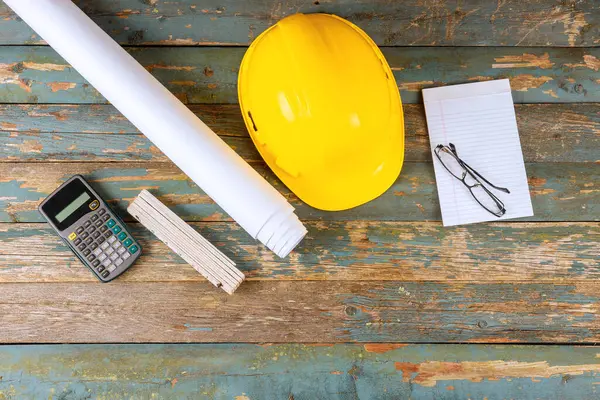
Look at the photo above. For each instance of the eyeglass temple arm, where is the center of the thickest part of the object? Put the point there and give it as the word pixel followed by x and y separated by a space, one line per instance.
pixel 453 148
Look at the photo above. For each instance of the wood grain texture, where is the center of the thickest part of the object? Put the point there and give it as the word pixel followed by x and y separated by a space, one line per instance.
pixel 565 252
pixel 300 311
pixel 439 23
pixel 35 74
pixel 32 133
pixel 297 371
pixel 560 191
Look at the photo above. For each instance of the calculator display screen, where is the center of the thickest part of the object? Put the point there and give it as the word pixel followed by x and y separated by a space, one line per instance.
pixel 71 208
pixel 69 204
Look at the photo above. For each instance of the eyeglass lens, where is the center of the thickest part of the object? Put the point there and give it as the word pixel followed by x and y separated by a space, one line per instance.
pixel 486 199
pixel 450 162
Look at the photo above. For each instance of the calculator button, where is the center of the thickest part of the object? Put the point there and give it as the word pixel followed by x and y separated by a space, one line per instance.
pixel 98 223
pixel 109 251
pixel 103 228
pixel 77 241
pixel 94 204
pixel 72 236
pixel 128 242
pixel 95 263
pixel 96 234
pixel 86 224
pixel 106 262
pixel 125 256
pixel 102 257
pixel 114 256
pixel 121 250
pixel 112 239
pixel 94 217
pixel 84 235
pixel 111 223
pixel 100 240
pixel 118 262
pixel 105 274
pixel 104 245
pixel 91 229
pixel 133 249
pixel 122 236
pixel 106 218
pixel 89 241
pixel 116 245
pixel 79 230
pixel 97 252
pixel 81 246
pixel 112 268
pixel 93 246
pixel 91 257
pixel 116 229
pixel 101 211
pixel 107 234
pixel 86 252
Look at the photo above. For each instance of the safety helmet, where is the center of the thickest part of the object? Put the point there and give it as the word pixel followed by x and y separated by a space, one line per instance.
pixel 323 109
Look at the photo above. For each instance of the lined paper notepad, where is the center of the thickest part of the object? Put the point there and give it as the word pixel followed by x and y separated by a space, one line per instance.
pixel 479 119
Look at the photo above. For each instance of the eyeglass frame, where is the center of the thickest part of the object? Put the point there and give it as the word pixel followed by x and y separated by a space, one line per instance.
pixel 468 170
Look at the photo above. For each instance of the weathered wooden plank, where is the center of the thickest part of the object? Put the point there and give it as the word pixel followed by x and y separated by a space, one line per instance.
pixel 362 250
pixel 299 371
pixel 549 133
pixel 560 191
pixel 34 74
pixel 300 311
pixel 442 23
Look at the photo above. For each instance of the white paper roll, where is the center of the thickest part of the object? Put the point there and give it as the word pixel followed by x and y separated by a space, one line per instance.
pixel 170 125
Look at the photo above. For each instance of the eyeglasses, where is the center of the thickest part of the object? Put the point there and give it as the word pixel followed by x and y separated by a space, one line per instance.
pixel 471 179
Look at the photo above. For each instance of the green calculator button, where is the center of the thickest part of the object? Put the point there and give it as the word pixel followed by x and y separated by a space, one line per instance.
pixel 111 223
pixel 133 249
pixel 127 242
pixel 122 236
pixel 116 229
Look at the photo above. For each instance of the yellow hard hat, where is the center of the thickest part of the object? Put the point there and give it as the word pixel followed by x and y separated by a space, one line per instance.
pixel 323 109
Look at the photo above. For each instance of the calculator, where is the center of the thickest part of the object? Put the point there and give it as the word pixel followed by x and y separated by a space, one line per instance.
pixel 90 228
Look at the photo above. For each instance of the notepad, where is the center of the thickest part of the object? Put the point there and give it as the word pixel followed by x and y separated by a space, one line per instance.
pixel 479 119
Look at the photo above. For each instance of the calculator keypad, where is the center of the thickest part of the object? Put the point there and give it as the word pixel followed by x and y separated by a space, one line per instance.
pixel 103 242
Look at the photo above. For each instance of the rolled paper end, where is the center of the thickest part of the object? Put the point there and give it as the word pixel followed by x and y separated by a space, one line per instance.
pixel 282 233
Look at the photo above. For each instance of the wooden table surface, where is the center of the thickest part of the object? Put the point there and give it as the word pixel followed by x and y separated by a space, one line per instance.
pixel 377 302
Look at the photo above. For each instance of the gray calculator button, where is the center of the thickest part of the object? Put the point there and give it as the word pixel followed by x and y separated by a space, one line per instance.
pixel 115 245
pixel 101 211
pixel 79 230
pixel 89 241
pixel 100 240
pixel 94 217
pixel 100 268
pixel 106 218
pixel 102 257
pixel 125 256
pixel 112 239
pixel 93 246
pixel 98 224
pixel 82 246
pixel 111 268
pixel 95 263
pixel 84 235
pixel 77 241
pixel 97 252
pixel 109 251
pixel 91 229
pixel 86 252
pixel 104 245
pixel 114 256
pixel 91 258
pixel 106 262
pixel 96 234
pixel 121 250
pixel 86 224
pixel 103 228
pixel 105 274
pixel 107 234
pixel 118 262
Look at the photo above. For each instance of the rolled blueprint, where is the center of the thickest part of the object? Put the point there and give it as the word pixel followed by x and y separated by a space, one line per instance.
pixel 260 209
